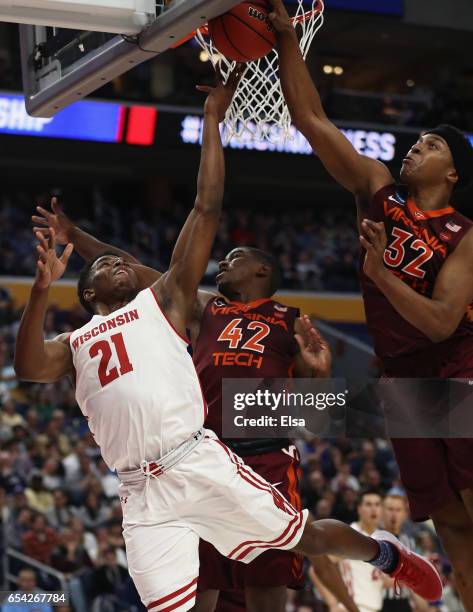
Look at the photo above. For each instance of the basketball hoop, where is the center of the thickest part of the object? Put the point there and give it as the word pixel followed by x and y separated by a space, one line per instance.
pixel 259 110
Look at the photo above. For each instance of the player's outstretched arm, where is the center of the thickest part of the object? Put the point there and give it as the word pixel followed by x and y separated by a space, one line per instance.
pixel 86 245
pixel 359 174
pixel 38 360
pixel 437 317
pixel 177 288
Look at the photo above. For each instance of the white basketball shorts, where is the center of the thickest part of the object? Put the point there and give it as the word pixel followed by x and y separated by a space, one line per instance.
pixel 210 494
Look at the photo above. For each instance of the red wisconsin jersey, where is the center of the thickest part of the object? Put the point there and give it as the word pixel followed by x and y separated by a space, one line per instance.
pixel 242 341
pixel 418 244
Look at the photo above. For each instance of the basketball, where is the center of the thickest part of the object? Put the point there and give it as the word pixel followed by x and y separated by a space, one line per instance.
pixel 245 33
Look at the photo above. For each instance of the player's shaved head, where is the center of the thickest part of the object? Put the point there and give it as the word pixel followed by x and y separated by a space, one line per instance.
pixel 275 277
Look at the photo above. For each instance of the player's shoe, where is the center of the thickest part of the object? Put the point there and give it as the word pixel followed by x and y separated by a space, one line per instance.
pixel 413 571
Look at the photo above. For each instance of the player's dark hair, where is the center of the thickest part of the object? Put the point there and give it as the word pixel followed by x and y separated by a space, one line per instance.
pixel 84 281
pixel 271 261
pixel 462 153
pixel 369 491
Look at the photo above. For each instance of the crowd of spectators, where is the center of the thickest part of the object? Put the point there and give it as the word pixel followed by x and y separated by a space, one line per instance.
pixel 59 502
pixel 424 106
pixel 317 248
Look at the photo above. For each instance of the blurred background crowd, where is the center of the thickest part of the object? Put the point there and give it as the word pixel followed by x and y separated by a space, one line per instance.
pixel 317 247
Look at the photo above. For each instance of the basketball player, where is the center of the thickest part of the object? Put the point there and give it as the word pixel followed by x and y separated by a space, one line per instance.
pixel 366 584
pixel 136 384
pixel 245 335
pixel 416 291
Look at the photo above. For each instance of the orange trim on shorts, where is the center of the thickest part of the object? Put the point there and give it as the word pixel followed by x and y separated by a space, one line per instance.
pixel 293 476
pixel 293 479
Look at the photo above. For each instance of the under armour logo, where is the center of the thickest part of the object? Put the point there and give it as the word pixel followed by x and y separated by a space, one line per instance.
pixel 123 500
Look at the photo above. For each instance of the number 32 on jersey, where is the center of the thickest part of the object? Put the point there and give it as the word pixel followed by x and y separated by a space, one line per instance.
pixel 395 253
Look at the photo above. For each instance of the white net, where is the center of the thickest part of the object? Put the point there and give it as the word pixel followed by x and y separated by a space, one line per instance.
pixel 258 109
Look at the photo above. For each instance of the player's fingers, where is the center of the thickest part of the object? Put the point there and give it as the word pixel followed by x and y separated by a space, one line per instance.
pixel 382 231
pixel 366 243
pixel 368 229
pixel 52 238
pixel 371 223
pixel 204 88
pixel 300 341
pixel 42 255
pixel 379 245
pixel 44 212
pixel 378 231
pixel 306 319
pixel 304 327
pixel 66 253
pixel 55 206
pixel 237 73
pixel 316 346
pixel 42 230
pixel 317 335
pixel 307 325
pixel 42 240
pixel 380 238
pixel 40 220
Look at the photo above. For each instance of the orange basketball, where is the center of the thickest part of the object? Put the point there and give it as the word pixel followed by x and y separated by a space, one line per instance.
pixel 244 33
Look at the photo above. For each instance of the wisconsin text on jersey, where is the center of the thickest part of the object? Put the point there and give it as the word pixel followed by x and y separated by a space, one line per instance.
pixel 118 321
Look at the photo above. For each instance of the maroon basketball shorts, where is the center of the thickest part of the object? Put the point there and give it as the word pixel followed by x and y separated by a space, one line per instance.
pixel 434 471
pixel 273 567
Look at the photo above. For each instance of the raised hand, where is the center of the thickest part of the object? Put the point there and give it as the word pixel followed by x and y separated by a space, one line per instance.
pixel 56 219
pixel 50 267
pixel 374 240
pixel 279 17
pixel 220 97
pixel 315 350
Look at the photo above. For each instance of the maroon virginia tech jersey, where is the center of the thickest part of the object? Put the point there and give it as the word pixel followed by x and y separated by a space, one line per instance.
pixel 236 340
pixel 418 244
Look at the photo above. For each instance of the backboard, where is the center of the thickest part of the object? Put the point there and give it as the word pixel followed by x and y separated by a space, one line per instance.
pixel 63 65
